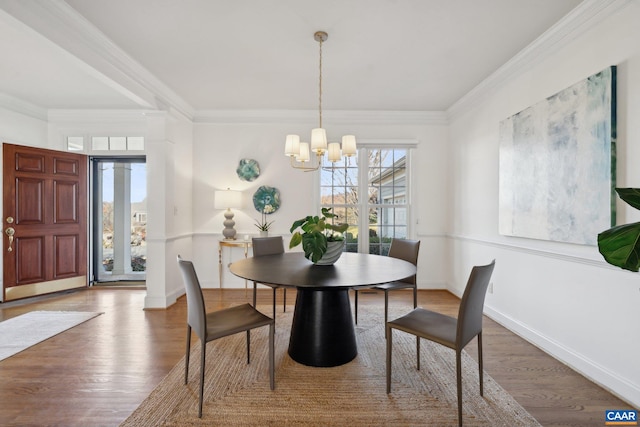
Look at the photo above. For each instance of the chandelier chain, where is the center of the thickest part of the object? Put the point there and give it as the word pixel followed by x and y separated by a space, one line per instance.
pixel 320 86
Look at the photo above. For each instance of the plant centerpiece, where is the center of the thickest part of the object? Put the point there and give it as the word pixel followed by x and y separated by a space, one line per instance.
pixel 620 245
pixel 318 233
pixel 263 225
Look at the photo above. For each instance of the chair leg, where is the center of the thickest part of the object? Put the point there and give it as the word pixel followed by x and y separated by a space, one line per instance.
pixel 271 355
pixel 356 304
pixel 274 302
pixel 459 384
pixel 284 300
pixel 186 356
pixel 480 368
pixel 248 346
pixel 203 354
pixel 415 296
pixel 415 304
pixel 386 310
pixel 255 289
pixel 389 333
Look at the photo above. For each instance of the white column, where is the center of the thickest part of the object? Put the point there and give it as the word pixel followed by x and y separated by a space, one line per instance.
pixel 121 218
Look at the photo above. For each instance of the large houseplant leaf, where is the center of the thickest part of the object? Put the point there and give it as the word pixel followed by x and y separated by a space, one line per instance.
pixel 620 245
pixel 630 195
pixel 314 245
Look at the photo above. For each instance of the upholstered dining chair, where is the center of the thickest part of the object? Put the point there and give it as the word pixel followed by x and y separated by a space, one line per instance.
pixel 405 249
pixel 263 246
pixel 218 324
pixel 451 332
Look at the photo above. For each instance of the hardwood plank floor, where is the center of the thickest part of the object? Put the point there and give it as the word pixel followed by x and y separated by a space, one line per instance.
pixel 97 373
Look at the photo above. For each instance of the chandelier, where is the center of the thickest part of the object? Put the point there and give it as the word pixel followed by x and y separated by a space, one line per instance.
pixel 300 152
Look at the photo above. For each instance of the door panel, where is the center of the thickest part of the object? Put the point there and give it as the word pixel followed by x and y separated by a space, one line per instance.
pixel 66 265
pixel 29 201
pixel 45 203
pixel 66 202
pixel 31 248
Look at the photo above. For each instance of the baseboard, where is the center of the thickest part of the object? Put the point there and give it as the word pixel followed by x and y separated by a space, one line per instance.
pixel 151 303
pixel 608 380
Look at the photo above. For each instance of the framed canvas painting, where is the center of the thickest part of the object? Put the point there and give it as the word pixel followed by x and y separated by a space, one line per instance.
pixel 557 164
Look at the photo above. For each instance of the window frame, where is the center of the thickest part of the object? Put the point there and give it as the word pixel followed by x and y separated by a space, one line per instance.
pixel 363 205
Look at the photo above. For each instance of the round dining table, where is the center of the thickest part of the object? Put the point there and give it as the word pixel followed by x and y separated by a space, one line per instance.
pixel 322 331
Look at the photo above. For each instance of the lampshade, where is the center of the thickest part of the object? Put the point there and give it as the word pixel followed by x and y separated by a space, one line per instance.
pixel 334 152
pixel 225 199
pixel 349 145
pixel 318 140
pixel 304 155
pixel 292 145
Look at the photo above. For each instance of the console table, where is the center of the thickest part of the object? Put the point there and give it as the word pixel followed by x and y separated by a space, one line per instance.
pixel 245 244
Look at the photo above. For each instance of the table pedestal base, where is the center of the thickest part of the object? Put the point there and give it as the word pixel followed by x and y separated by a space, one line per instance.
pixel 322 333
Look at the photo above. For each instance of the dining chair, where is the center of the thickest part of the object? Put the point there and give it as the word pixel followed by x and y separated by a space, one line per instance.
pixel 451 332
pixel 218 324
pixel 405 249
pixel 263 246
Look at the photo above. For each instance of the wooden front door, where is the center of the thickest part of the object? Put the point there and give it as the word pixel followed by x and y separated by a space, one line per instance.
pixel 44 221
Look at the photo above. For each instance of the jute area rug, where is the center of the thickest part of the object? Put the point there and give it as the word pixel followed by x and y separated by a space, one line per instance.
pixel 26 330
pixel 353 394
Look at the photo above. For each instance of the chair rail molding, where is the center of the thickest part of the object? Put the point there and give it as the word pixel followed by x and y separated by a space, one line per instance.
pixel 549 253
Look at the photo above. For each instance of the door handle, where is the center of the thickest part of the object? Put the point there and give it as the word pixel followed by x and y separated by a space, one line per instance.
pixel 9 231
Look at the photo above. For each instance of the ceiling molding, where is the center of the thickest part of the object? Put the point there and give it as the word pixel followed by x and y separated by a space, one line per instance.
pixel 62 116
pixel 575 23
pixel 330 117
pixel 17 105
pixel 63 26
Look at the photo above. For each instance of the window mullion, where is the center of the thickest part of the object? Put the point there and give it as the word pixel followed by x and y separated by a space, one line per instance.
pixel 363 200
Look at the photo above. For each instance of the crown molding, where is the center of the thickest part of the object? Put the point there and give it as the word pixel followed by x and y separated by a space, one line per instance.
pixel 575 23
pixel 64 116
pixel 65 27
pixel 17 105
pixel 332 117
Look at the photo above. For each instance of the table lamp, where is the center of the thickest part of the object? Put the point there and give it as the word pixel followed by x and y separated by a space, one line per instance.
pixel 227 199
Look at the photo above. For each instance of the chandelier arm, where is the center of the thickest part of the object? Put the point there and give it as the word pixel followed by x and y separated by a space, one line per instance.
pixel 300 166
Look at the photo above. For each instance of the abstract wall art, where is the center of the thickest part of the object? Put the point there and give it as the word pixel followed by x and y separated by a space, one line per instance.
pixel 557 164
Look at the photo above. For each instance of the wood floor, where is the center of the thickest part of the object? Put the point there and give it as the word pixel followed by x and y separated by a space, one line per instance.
pixel 97 373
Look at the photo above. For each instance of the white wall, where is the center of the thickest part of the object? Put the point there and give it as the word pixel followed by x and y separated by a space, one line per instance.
pixel 564 298
pixel 169 187
pixel 220 146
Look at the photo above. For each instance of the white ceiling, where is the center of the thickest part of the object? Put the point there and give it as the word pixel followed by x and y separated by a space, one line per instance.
pixel 388 55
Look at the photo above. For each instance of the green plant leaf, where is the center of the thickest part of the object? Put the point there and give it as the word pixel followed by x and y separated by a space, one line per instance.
pixel 296 239
pixel 326 212
pixel 340 228
pixel 630 195
pixel 298 223
pixel 620 246
pixel 314 245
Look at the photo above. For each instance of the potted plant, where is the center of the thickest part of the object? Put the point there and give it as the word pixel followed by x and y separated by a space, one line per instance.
pixel 319 236
pixel 263 225
pixel 620 245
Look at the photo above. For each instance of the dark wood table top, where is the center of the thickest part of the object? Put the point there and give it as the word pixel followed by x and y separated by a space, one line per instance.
pixel 352 270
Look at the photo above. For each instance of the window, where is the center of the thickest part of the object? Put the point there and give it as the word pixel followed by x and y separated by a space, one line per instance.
pixel 107 143
pixel 373 199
